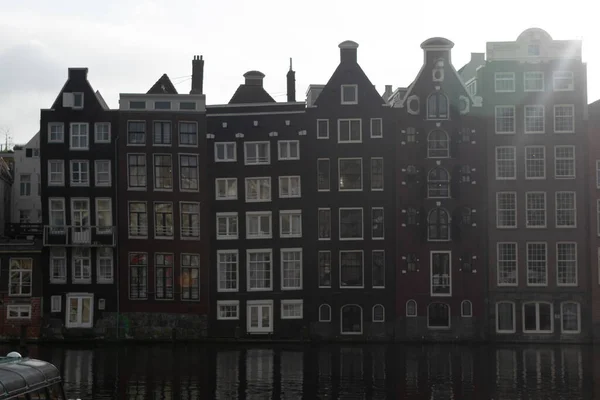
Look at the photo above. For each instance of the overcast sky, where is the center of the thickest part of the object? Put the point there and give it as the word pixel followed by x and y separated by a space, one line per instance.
pixel 128 44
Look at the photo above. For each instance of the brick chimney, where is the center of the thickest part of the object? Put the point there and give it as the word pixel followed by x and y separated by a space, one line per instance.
pixel 388 92
pixel 197 75
pixel 291 84
pixel 348 52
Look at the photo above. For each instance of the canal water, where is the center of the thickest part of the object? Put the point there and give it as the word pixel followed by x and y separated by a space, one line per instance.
pixel 185 372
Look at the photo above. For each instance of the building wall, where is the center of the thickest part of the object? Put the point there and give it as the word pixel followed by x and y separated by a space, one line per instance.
pixel 26 197
pixel 594 215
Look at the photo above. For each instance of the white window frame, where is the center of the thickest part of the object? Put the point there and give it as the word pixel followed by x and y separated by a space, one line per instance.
pixel 527 169
pixel 60 133
pixel 527 209
pixel 81 183
pixel 377 189
pixel 514 161
pixel 432 294
pixel 373 237
pixel 20 309
pixel 322 135
pixel 237 270
pixel 536 108
pixel 537 316
pixel 58 254
pixel 556 176
pixel 81 280
pixel 20 272
pixel 96 181
pixel 129 166
pixel 462 313
pixel 545 283
pixel 514 120
pixel 258 159
pixel 225 145
pixel 155 177
pixel 297 250
pixel 355 101
pixel 105 279
pixel 62 173
pixel 567 75
pixel 87 135
pixel 508 76
pixel 576 261
pixel 289 213
pixel 188 156
pixel 58 229
pixel 330 223
pixel 294 303
pixel 556 210
pixel 98 140
pixel 527 76
pixel 572 108
pixel 227 182
pixel 260 304
pixel 288 144
pixel 172 227
pixel 362 221
pixel 514 318
pixel 380 135
pixel 56 303
pixel 411 315
pixel 350 121
pixel 322 306
pixel 373 313
pixel 562 325
pixel 362 322
pixel 134 233
pixel 340 174
pixel 228 303
pixel 290 179
pixel 362 255
pixel 181 134
pixel 258 251
pixel 25 185
pixel 80 297
pixel 259 214
pixel 77 95
pixel 193 232
pixel 259 200
pixel 228 216
pixel 103 229
pixel 498 261
pixel 514 196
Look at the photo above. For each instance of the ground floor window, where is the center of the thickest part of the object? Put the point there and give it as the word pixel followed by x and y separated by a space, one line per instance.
pixel 505 317
pixel 378 313
pixel 80 310
pixel 324 313
pixel 18 311
pixel 569 316
pixel 537 317
pixel 291 309
pixel 260 316
pixel 438 315
pixel 466 308
pixel 351 318
pixel 228 309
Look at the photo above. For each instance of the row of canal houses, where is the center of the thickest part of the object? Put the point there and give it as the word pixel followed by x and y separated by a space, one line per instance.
pixel 456 208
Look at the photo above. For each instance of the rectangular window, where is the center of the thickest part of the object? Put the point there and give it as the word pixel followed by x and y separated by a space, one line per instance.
pixel 258 225
pixel 104 221
pixel 257 153
pixel 533 81
pixel 56 132
pixel 538 317
pixel 325 269
pixel 564 162
pixel 260 316
pixel 563 81
pixel 56 303
pixel 537 264
pixel 291 269
pixel 566 263
pixel 351 269
pixel 58 265
pixel 324 222
pixel 25 185
pixel 534 119
pixel 57 215
pixel 82 265
pixel 289 187
pixel 288 149
pixel 163 172
pixel 56 173
pixel 535 162
pixel 441 273
pixel 377 223
pixel 136 171
pixel 322 129
pixel 377 173
pixel 190 220
pixel 102 132
pixel 227 270
pixel 18 312
pixel 290 224
pixel 260 270
pixel 258 189
pixel 349 130
pixel 79 136
pixel 138 276
pixel 507 264
pixel 103 172
pixel 188 173
pixel 350 174
pixel 190 276
pixel 225 152
pixel 80 173
pixel 138 219
pixel 506 162
pixel 163 264
pixel 77 100
pixel 291 309
pixel 20 276
pixel 227 226
pixel 505 119
pixel 162 133
pixel 570 317
pixel 351 224
pixel 24 216
pixel 566 210
pixel 349 94
pixel 136 133
pixel 188 134
pixel 104 265
pixel 323 174
pixel 564 118
pixel 378 268
pixel 506 208
pixel 505 317
pixel 504 82
pixel 163 220
pixel 226 188
pixel 228 309
pixel 80 310
pixel 162 105
pixel 376 127
pixel 535 209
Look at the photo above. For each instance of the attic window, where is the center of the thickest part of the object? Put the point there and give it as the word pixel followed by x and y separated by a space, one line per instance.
pixel 533 50
pixel 349 94
pixel 77 100
pixel 137 105
pixel 162 105
pixel 187 105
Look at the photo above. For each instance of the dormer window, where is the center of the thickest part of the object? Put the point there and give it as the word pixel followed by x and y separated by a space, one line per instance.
pixel 533 50
pixel 437 106
pixel 77 100
pixel 349 94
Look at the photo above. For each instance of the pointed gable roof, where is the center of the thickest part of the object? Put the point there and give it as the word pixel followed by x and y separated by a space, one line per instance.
pixel 251 91
pixel 163 86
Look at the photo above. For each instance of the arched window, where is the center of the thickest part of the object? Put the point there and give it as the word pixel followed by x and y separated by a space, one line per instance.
pixel 438 222
pixel 351 319
pixel 438 144
pixel 438 183
pixel 465 216
pixel 324 313
pixel 411 308
pixel 411 216
pixel 466 308
pixel 569 317
pixel 438 315
pixel 378 313
pixel 437 106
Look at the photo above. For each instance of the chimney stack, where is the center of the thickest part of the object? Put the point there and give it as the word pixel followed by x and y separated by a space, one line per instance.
pixel 348 52
pixel 254 78
pixel 291 84
pixel 197 75
pixel 388 92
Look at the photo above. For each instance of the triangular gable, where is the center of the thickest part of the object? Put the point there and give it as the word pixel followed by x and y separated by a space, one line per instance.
pixel 163 86
pixel 77 82
pixel 358 76
pixel 32 141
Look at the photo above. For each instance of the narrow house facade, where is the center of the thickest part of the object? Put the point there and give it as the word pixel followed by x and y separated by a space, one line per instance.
pixel 593 207
pixel 77 158
pixel 440 179
pixel 26 207
pixel 352 189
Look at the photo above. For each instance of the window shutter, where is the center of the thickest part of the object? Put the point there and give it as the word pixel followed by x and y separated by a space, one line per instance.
pixel 68 100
